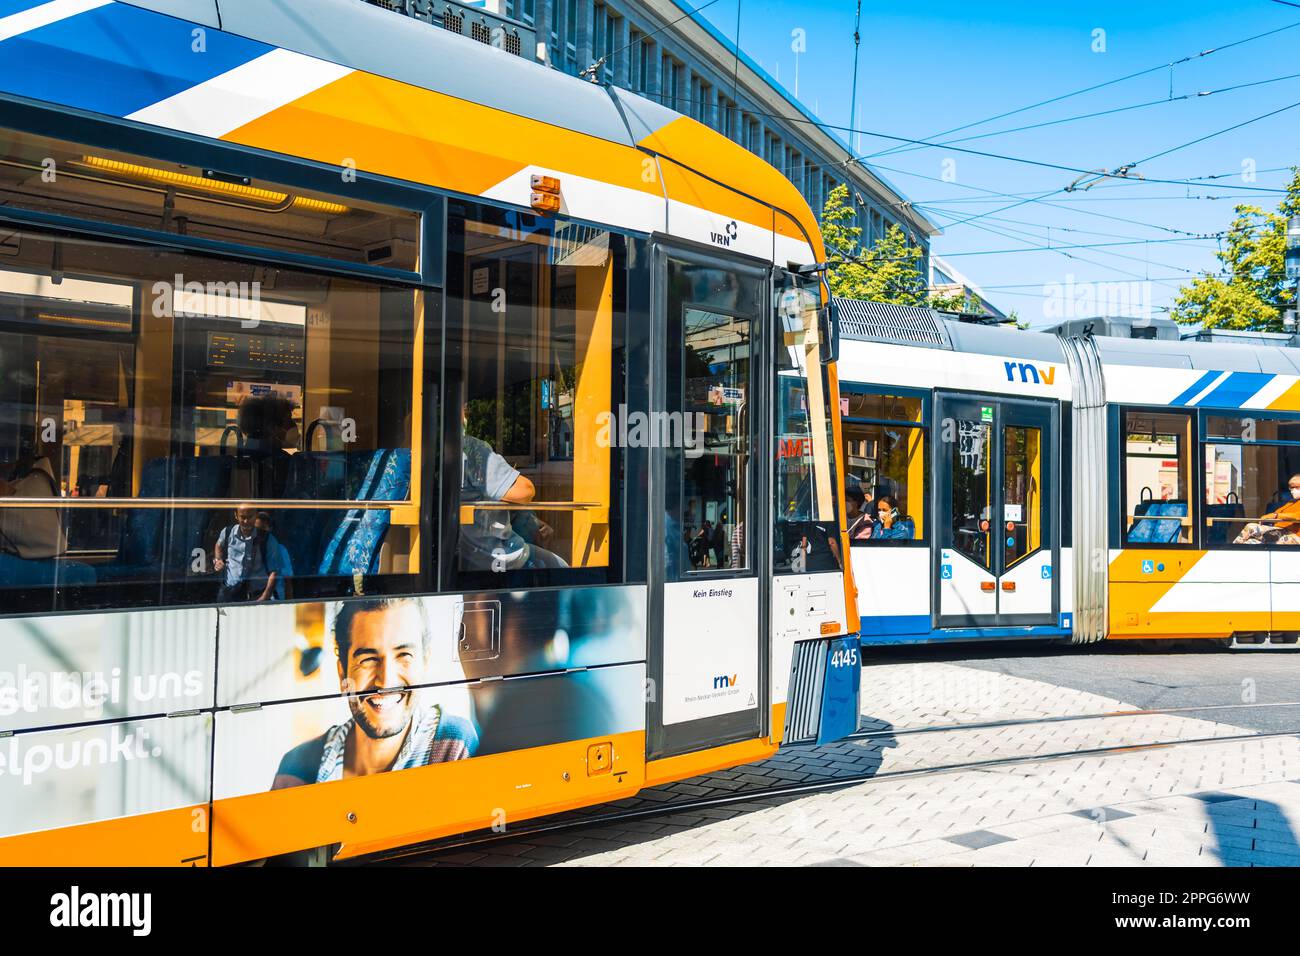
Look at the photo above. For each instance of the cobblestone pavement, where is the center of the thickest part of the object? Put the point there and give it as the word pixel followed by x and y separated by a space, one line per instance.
pixel 1231 803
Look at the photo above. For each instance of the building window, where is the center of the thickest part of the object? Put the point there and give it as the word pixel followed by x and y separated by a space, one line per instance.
pixel 604 40
pixel 571 36
pixel 636 64
pixel 670 91
pixel 645 59
pixel 727 118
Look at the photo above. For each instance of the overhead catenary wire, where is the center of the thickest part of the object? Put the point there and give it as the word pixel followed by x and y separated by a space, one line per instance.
pixel 1120 109
pixel 995 194
pixel 1098 86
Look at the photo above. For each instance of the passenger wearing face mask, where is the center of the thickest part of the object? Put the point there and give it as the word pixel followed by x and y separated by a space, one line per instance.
pixel 890 524
pixel 1280 526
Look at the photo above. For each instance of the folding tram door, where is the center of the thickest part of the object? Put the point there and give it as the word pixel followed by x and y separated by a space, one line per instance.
pixel 998 514
pixel 710 388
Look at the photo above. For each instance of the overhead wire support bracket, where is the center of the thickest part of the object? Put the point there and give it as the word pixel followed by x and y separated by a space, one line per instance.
pixel 1096 176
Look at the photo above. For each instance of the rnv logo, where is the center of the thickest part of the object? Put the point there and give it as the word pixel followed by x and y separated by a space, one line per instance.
pixel 1044 376
pixel 134 910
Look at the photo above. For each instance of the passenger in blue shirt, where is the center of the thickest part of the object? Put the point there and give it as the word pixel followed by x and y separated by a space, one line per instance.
pixel 249 560
pixel 889 524
pixel 277 554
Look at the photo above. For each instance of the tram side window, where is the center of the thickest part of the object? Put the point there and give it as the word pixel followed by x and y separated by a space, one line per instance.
pixel 211 431
pixel 1158 448
pixel 1252 481
pixel 887 467
pixel 535 354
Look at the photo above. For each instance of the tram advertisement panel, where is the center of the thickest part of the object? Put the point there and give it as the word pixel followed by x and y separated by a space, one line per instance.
pixel 73 669
pixel 114 715
pixel 381 684
pixel 103 716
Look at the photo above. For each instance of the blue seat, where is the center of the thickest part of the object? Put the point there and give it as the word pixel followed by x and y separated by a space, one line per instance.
pixel 1148 529
pixel 313 476
pixel 1221 532
pixel 154 541
pixel 352 539
pixel 16 572
pixel 341 542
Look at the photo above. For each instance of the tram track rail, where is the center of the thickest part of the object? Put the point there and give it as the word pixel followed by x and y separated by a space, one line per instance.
pixel 596 817
pixel 1061 719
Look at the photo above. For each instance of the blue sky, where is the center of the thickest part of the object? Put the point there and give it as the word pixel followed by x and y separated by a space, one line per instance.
pixel 929 67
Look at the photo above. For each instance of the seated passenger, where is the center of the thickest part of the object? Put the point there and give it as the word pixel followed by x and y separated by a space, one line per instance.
pixel 34 541
pixel 890 525
pixel 1280 526
pixel 278 554
pixel 858 511
pixel 34 534
pixel 267 429
pixel 493 540
pixel 248 560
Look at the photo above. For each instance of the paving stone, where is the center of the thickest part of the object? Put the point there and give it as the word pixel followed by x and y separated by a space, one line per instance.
pixel 975 839
pixel 1233 803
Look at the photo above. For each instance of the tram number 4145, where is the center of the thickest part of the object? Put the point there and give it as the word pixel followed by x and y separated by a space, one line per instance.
pixel 845 658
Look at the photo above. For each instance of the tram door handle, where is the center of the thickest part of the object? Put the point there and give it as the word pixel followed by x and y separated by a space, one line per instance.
pixel 988 586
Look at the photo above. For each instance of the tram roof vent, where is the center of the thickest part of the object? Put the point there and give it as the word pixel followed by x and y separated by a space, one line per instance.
pixel 1121 327
pixel 886 322
pixel 1245 337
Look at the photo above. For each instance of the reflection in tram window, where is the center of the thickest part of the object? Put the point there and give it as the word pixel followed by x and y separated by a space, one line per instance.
pixel 806 532
pixel 716 380
pixel 155 391
pixel 1157 477
pixel 1252 481
pixel 886 453
pixel 972 494
pixel 1022 498
pixel 535 328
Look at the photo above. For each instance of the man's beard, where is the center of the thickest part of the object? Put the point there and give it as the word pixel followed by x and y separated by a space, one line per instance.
pixel 364 717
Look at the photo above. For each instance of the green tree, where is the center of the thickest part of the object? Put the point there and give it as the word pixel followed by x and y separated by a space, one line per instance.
pixel 1252 292
pixel 892 270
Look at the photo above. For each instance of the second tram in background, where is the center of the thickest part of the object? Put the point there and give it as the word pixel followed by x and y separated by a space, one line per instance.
pixel 1108 481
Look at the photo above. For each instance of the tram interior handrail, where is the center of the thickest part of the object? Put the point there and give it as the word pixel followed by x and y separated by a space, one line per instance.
pixel 262 504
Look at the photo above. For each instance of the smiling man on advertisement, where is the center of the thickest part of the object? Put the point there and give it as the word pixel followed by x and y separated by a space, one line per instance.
pixel 383 652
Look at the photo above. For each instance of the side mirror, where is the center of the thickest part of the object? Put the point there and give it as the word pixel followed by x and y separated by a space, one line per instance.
pixel 829 320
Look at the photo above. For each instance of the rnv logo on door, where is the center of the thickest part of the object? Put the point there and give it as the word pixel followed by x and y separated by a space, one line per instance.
pixel 1027 372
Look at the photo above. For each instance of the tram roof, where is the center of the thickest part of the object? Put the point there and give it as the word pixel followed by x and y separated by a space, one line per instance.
pixel 912 325
pixel 369 38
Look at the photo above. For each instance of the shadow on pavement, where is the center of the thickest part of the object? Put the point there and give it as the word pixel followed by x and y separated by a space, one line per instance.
pixel 1249 831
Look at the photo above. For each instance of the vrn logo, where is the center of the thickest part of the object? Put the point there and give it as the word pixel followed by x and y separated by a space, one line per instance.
pixel 1039 376
pixel 724 681
pixel 727 236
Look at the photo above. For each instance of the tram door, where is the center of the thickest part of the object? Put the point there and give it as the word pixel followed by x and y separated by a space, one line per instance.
pixel 709 402
pixel 996 560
